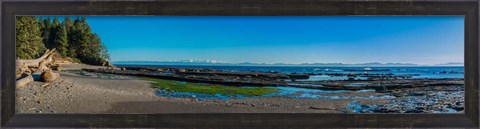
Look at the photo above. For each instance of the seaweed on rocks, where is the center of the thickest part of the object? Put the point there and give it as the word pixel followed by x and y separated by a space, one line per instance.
pixel 425 100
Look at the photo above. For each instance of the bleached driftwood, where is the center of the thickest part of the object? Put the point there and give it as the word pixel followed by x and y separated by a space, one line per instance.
pixel 37 66
pixel 35 62
pixel 41 67
pixel 23 81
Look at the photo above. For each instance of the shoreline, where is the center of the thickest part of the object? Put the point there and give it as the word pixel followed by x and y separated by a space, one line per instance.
pixel 135 96
pixel 74 93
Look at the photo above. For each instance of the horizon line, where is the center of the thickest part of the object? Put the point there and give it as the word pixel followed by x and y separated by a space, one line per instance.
pixel 305 63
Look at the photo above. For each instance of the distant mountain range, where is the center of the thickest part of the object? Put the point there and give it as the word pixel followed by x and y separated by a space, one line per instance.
pixel 452 64
pixel 372 63
pixel 197 61
pixel 216 62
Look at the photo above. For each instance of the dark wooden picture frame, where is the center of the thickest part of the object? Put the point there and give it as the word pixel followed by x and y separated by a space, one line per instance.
pixel 467 8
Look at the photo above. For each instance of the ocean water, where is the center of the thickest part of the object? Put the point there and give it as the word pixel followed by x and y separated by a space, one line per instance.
pixel 416 71
pixel 430 72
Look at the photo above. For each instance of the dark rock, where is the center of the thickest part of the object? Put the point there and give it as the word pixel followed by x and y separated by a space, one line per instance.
pixel 417 93
pixel 458 108
pixel 321 108
pixel 420 108
pixel 414 111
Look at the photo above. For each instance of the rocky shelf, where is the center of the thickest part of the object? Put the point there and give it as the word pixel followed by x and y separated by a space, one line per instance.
pixel 199 75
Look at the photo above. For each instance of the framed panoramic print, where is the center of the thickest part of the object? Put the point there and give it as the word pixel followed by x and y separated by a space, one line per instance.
pixel 240 64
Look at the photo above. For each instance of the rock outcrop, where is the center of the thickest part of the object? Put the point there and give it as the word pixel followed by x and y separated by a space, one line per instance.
pixel 49 76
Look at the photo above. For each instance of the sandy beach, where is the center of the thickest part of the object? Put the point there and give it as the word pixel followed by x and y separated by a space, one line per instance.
pixel 73 93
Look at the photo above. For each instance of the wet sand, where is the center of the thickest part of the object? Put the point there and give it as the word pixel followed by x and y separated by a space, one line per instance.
pixel 73 93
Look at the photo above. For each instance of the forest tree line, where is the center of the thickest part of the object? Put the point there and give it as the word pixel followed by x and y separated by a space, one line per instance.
pixel 72 38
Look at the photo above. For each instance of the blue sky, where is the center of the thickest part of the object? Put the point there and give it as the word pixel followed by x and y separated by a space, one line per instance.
pixel 293 39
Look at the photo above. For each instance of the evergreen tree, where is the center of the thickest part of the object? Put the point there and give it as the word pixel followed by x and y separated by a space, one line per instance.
pixel 73 39
pixel 53 33
pixel 55 23
pixel 41 24
pixel 48 22
pixel 91 49
pixel 29 42
pixel 45 30
pixel 61 40
pixel 104 53
pixel 68 23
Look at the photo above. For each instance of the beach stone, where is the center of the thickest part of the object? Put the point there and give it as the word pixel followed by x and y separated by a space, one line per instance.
pixel 458 108
pixel 48 76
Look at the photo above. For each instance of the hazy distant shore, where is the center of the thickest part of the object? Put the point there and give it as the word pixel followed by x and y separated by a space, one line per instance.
pixel 220 63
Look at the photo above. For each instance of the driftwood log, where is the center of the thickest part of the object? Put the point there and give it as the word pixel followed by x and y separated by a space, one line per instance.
pixel 34 66
pixel 35 62
pixel 42 66
pixel 23 81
